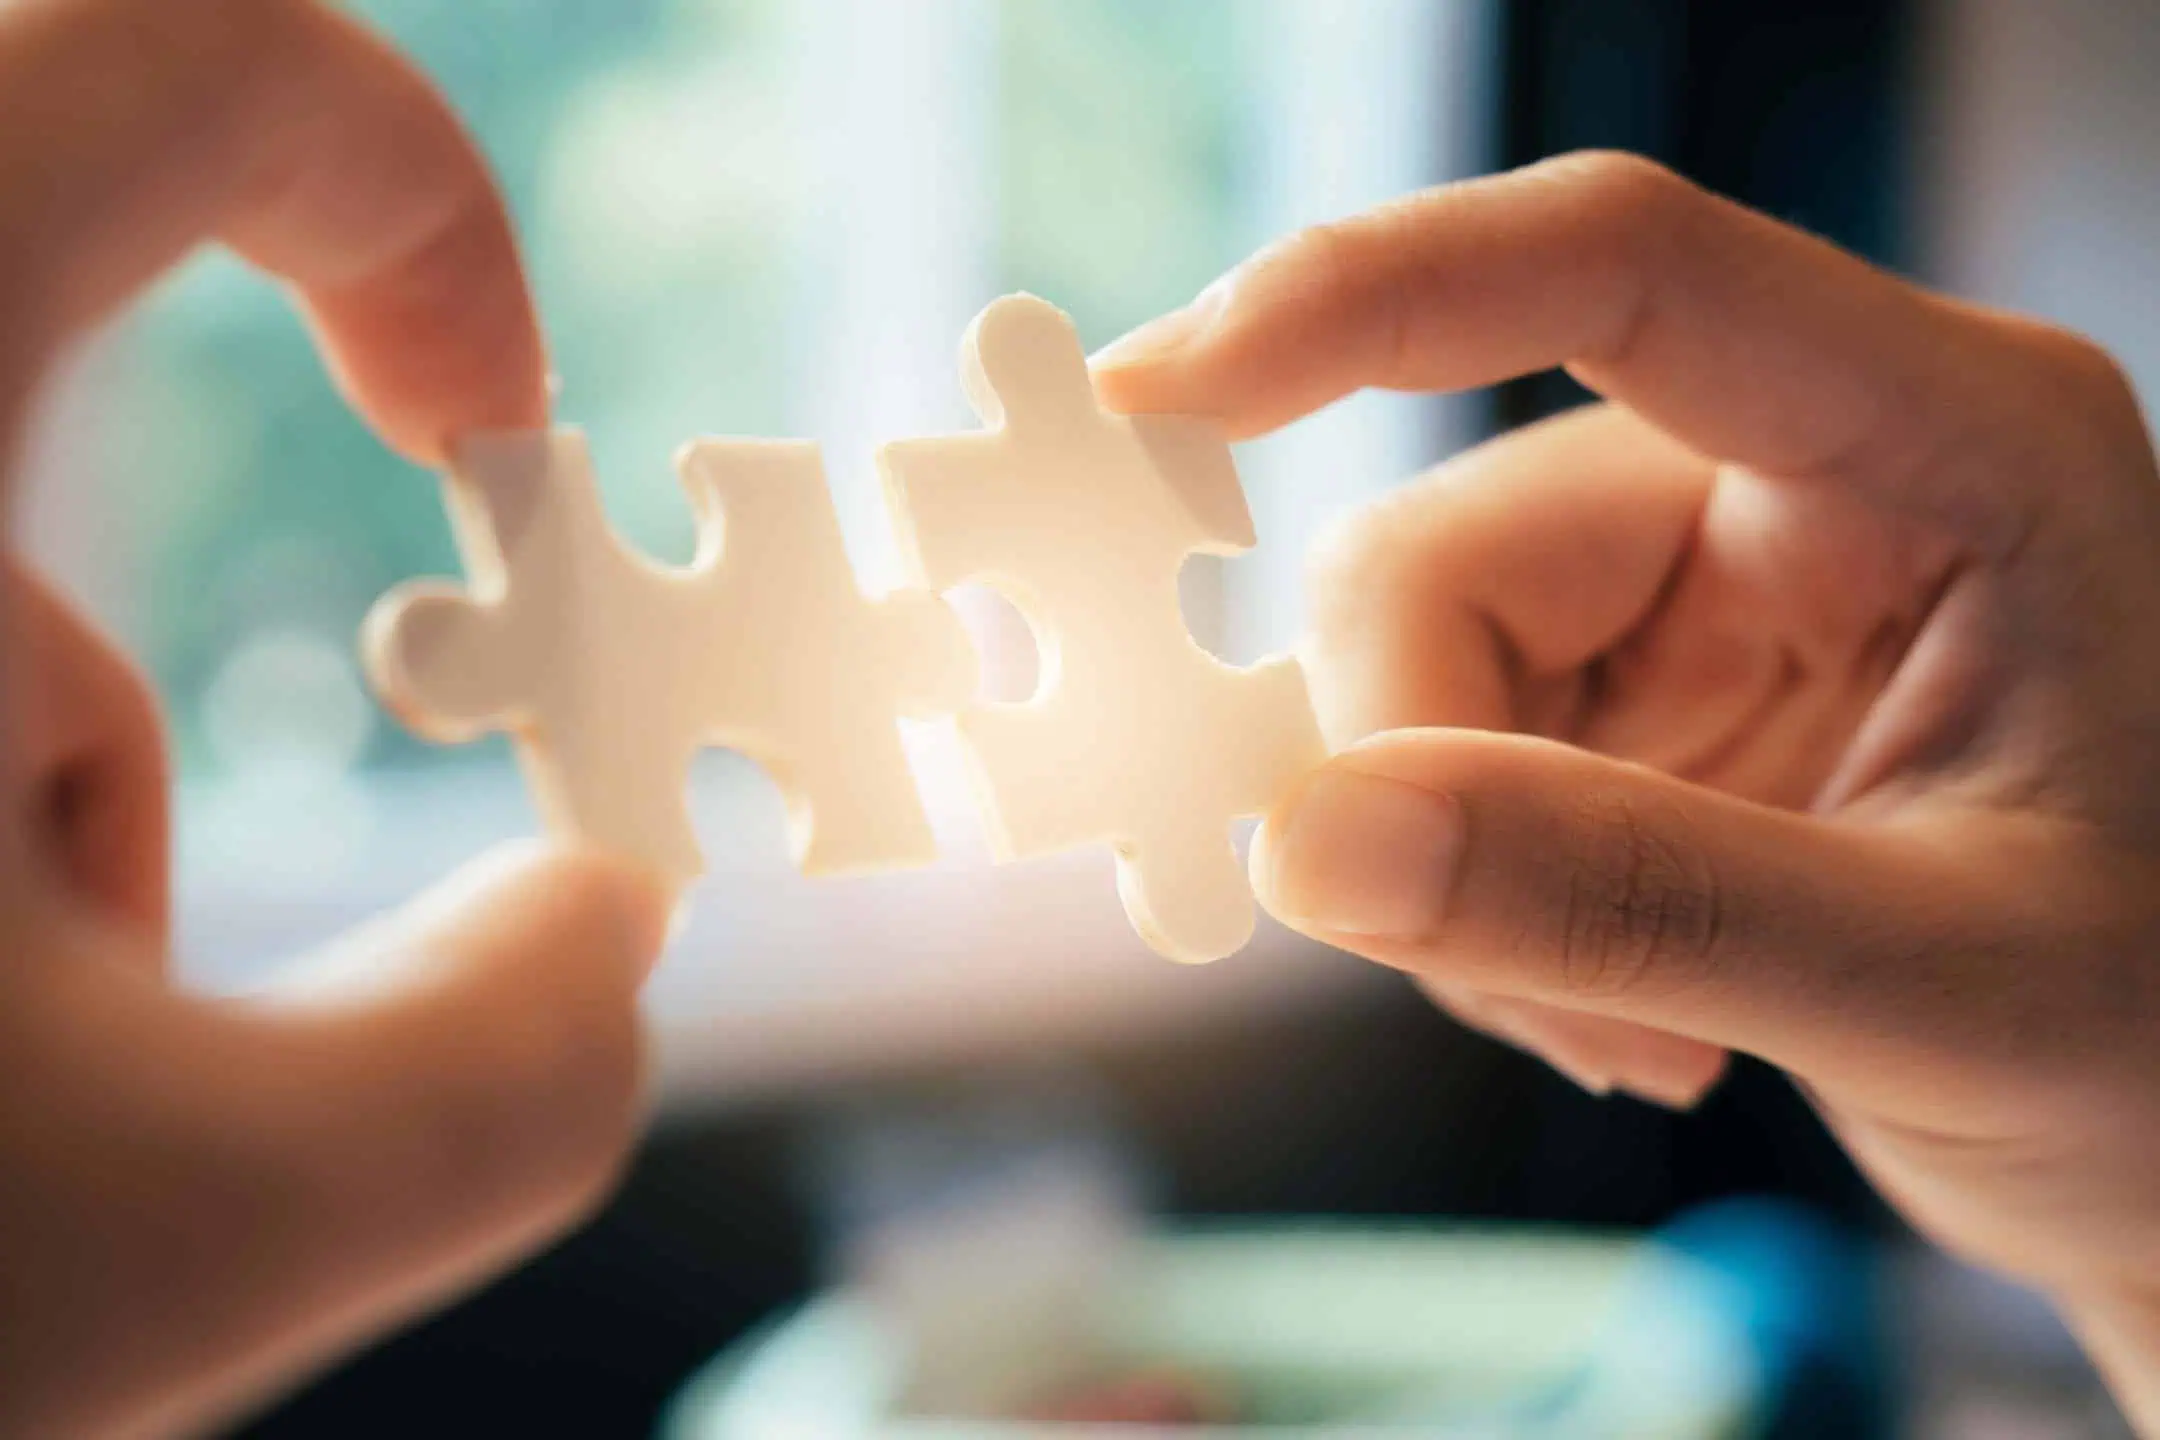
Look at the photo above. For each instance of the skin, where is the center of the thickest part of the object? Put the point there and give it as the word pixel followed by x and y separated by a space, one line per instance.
pixel 204 1200
pixel 1800 698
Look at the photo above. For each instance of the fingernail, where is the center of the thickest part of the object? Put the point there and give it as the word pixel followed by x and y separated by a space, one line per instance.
pixel 1590 1081
pixel 1167 334
pixel 1536 1032
pixel 645 909
pixel 1672 1092
pixel 651 910
pixel 1359 855
pixel 1637 1066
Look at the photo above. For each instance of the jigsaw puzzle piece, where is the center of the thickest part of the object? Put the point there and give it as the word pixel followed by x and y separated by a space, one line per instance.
pixel 1186 892
pixel 434 655
pixel 553 643
pixel 1024 372
pixel 450 662
pixel 1230 743
pixel 1181 877
pixel 1144 491
pixel 610 671
pixel 444 665
pixel 1137 736
pixel 1191 459
pixel 612 783
pixel 936 671
pixel 853 807
pixel 811 675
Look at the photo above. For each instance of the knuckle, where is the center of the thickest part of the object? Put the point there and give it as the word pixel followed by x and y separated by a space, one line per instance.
pixel 1644 909
pixel 2074 415
pixel 1354 557
pixel 2090 382
pixel 2109 390
pixel 2083 359
pixel 1627 192
pixel 1379 569
pixel 1328 248
pixel 1317 259
pixel 1629 215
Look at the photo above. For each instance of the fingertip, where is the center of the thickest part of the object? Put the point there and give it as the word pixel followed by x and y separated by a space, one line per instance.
pixel 521 974
pixel 1149 369
pixel 425 308
pixel 1169 335
pixel 1357 854
pixel 1604 1055
pixel 566 901
pixel 636 908
pixel 444 343
pixel 1682 1083
pixel 468 1077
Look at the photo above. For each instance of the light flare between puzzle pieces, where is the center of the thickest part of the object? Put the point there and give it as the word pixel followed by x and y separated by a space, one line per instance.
pixel 611 671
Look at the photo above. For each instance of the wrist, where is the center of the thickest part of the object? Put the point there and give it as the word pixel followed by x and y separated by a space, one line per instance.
pixel 2120 1328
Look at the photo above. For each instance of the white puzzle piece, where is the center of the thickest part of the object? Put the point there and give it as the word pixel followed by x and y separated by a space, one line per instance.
pixel 611 671
pixel 1136 736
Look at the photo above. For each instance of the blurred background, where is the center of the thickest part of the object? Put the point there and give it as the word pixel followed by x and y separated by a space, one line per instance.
pixel 775 217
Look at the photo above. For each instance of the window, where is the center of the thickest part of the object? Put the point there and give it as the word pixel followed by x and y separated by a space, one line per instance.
pixel 742 216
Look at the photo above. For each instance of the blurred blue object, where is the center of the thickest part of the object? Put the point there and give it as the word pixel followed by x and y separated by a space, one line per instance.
pixel 1806 1293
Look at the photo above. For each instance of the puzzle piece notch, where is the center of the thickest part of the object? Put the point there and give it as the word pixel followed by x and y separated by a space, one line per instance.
pixel 517 653
pixel 1136 736
pixel 819 671
pixel 1024 346
pixel 611 671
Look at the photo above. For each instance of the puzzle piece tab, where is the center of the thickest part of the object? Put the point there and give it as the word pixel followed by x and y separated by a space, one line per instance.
pixel 1137 736
pixel 611 671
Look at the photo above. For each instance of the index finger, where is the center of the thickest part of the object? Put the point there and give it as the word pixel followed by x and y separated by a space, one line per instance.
pixel 1742 337
pixel 131 130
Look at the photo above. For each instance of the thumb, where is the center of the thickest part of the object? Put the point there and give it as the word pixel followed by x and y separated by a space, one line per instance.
pixel 1523 867
pixel 445 1090
pixel 474 1061
pixel 452 1086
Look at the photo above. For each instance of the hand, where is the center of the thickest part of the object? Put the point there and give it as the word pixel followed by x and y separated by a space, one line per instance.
pixel 1803 698
pixel 199 1200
